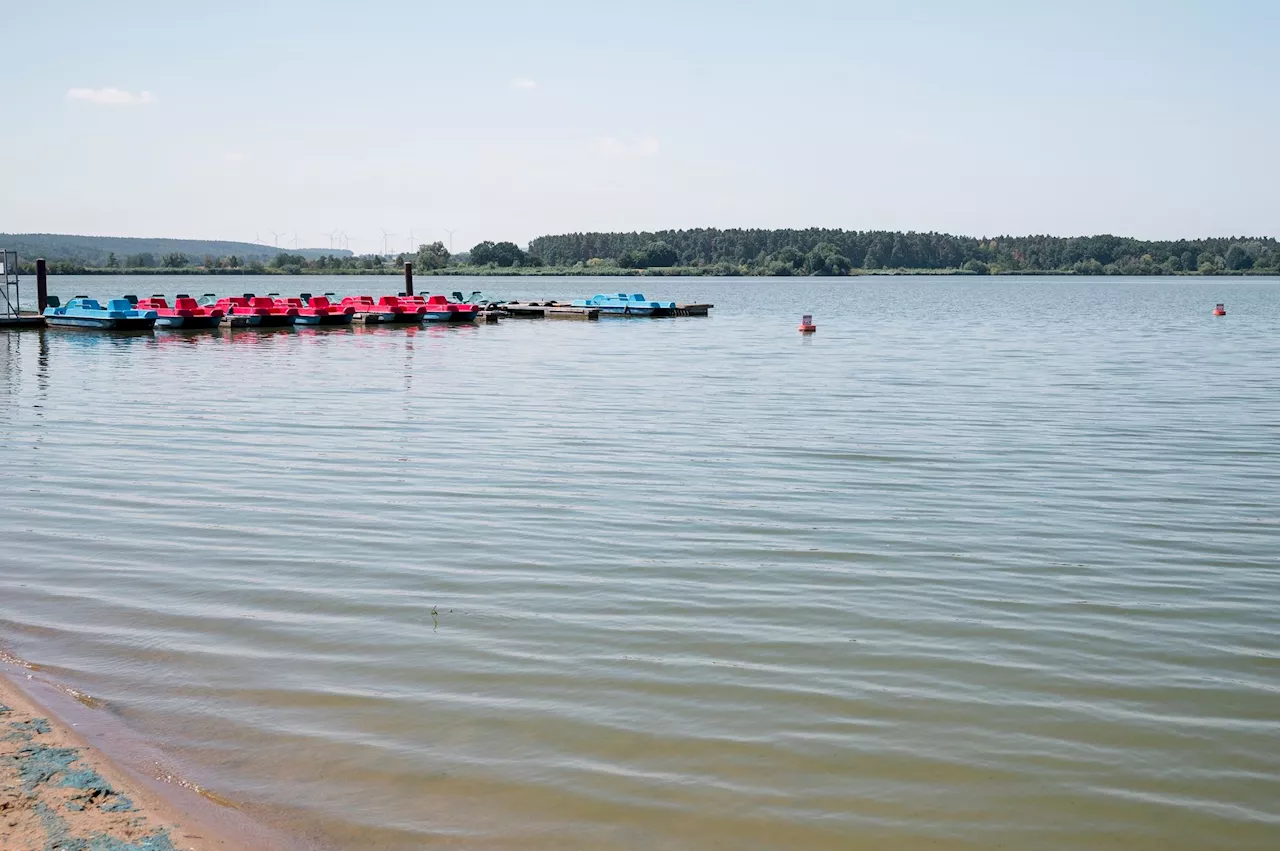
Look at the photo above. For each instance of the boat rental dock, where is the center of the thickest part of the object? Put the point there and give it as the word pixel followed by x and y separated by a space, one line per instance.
pixel 249 310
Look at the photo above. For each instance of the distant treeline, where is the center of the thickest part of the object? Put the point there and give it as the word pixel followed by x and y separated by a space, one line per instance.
pixel 712 252
pixel 134 252
pixel 818 251
pixel 178 263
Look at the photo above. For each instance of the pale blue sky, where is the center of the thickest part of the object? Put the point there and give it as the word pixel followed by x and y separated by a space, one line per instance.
pixel 508 120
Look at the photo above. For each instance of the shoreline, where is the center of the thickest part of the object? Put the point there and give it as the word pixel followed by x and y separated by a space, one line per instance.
pixel 615 272
pixel 60 788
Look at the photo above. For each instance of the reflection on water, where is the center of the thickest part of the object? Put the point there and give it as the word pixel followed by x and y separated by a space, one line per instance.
pixel 980 564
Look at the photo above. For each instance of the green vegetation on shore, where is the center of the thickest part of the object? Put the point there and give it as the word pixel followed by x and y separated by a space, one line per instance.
pixel 721 253
pixel 818 251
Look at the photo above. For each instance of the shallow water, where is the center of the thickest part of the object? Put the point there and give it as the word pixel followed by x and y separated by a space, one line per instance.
pixel 983 563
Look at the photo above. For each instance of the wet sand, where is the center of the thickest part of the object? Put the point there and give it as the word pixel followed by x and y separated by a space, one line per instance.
pixel 58 792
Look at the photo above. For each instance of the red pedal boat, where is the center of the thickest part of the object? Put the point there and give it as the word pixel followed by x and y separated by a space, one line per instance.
pixel 440 309
pixel 389 308
pixel 317 310
pixel 185 313
pixel 259 311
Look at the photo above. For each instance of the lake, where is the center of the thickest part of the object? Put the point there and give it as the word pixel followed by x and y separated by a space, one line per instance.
pixel 982 563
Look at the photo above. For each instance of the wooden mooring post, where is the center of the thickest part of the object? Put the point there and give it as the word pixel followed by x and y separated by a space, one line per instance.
pixel 42 285
pixel 408 279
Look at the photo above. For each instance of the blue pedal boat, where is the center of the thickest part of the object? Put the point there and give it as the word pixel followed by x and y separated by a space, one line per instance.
pixel 82 312
pixel 622 304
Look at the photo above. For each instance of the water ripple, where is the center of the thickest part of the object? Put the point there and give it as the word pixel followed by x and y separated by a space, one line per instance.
pixel 969 568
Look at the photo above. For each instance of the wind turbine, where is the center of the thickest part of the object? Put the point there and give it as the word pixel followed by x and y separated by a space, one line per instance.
pixel 331 237
pixel 295 240
pixel 451 233
pixel 385 236
pixel 412 247
pixel 276 235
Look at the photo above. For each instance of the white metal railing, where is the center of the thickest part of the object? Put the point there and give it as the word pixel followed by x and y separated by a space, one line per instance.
pixel 9 272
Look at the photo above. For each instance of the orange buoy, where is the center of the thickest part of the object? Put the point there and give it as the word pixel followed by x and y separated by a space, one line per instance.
pixel 806 324
pixel 1220 310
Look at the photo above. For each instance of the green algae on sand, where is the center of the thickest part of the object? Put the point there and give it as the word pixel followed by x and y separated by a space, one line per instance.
pixel 52 801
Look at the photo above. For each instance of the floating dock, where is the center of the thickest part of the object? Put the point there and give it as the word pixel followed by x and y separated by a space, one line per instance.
pixel 548 310
pixel 22 320
pixel 555 309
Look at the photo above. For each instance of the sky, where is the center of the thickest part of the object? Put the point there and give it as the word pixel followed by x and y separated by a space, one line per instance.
pixel 507 120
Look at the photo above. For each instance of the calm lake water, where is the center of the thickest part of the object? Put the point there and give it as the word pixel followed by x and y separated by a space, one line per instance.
pixel 982 564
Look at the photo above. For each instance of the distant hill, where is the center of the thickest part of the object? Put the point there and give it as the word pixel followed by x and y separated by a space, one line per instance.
pixel 94 250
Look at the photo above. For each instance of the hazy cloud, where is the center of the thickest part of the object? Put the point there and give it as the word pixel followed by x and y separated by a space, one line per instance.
pixel 110 96
pixel 645 146
pixel 524 83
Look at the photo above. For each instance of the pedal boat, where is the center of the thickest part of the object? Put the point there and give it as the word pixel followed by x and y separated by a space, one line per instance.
pixel 257 311
pixel 622 304
pixel 186 313
pixel 388 309
pixel 440 309
pixel 317 310
pixel 83 312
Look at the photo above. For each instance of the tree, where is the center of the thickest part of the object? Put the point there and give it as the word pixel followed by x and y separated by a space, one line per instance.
pixel 826 259
pixel 174 260
pixel 1238 258
pixel 874 258
pixel 659 253
pixel 433 256
pixel 112 262
pixel 898 254
pixel 791 257
pixel 1209 263
pixel 501 254
pixel 285 261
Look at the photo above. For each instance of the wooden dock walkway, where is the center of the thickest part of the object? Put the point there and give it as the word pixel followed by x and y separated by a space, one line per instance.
pixel 554 309
pixel 22 320
pixel 548 310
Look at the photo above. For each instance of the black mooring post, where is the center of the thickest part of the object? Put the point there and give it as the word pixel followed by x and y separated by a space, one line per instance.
pixel 42 285
pixel 408 279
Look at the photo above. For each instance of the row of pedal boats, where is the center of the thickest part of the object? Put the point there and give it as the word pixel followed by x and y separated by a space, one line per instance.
pixel 133 314
pixel 130 313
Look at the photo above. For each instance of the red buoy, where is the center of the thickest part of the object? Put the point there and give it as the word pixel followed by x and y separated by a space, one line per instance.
pixel 1220 310
pixel 806 324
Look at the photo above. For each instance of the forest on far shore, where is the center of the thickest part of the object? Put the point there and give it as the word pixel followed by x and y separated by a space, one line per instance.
pixel 820 251
pixel 816 251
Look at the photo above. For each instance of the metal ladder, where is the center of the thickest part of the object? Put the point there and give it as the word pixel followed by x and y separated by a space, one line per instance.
pixel 11 296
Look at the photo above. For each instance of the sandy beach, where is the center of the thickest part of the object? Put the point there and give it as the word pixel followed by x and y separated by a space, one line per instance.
pixel 57 792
